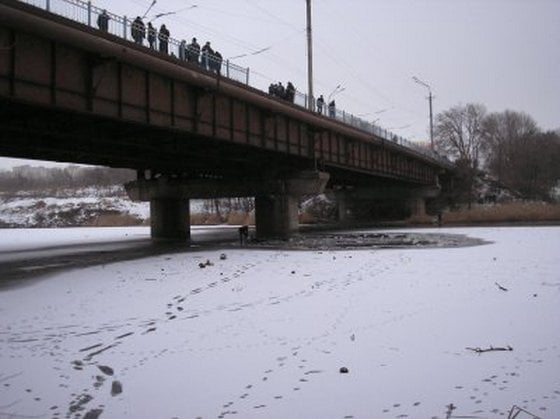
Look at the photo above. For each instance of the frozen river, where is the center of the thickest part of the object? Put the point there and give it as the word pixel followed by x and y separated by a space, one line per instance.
pixel 211 332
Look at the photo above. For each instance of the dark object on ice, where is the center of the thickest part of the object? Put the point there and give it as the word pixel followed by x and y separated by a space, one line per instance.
pixel 106 370
pixel 116 388
pixel 208 263
pixel 500 287
pixel 343 370
pixel 93 414
pixel 490 349
pixel 353 337
pixel 201 265
pixel 516 410
pixel 243 235
pixel 450 408
pixel 223 256
pixel 293 272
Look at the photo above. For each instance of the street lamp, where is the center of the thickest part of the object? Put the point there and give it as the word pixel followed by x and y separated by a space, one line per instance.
pixel 338 89
pixel 172 13
pixel 430 97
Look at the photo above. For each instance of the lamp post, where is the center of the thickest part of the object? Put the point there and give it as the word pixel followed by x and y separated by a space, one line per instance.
pixel 338 89
pixel 172 13
pixel 310 101
pixel 430 97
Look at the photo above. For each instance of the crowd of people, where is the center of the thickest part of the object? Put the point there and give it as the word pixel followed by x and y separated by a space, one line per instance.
pixel 205 57
pixel 287 93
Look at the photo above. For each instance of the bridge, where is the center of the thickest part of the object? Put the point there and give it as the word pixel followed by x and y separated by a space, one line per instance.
pixel 70 92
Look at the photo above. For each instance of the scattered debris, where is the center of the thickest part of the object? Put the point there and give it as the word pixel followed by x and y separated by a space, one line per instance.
pixel 343 370
pixel 93 414
pixel 490 349
pixel 516 410
pixel 105 369
pixel 201 265
pixel 116 388
pixel 353 337
pixel 500 287
pixel 208 263
pixel 450 408
pixel 223 256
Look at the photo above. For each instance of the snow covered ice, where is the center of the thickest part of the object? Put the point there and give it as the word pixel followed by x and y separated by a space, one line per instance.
pixel 264 333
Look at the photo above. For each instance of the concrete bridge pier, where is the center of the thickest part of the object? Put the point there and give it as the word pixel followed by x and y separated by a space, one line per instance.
pixel 381 203
pixel 276 216
pixel 169 219
pixel 276 200
pixel 276 212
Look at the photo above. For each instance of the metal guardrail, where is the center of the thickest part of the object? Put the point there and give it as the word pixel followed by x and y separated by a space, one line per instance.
pixel 86 13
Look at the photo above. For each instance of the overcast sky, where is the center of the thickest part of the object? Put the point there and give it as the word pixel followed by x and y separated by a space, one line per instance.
pixel 504 54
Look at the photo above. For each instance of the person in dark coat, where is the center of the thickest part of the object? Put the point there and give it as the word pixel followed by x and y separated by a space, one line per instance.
pixel 163 38
pixel 320 104
pixel 290 92
pixel 152 35
pixel 138 30
pixel 280 90
pixel 332 109
pixel 193 52
pixel 183 50
pixel 218 62
pixel 103 21
pixel 207 52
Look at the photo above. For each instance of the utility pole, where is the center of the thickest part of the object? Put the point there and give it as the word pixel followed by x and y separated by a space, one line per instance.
pixel 430 98
pixel 310 101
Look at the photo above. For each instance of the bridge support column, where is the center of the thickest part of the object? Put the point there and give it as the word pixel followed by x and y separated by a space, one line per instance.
pixel 417 206
pixel 170 219
pixel 276 216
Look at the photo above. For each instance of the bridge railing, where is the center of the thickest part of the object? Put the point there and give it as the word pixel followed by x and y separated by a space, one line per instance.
pixel 121 26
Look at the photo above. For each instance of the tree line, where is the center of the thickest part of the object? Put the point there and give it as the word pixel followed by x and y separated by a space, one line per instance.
pixel 31 178
pixel 509 145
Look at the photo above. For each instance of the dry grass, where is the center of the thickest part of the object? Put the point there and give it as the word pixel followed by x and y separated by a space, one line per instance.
pixel 114 220
pixel 233 218
pixel 512 212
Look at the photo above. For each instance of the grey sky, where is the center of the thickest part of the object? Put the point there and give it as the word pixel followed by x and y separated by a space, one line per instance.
pixel 502 53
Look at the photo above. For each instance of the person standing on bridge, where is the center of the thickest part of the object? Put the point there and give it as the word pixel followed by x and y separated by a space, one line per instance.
pixel 320 104
pixel 290 92
pixel 207 52
pixel 183 50
pixel 332 109
pixel 217 62
pixel 103 21
pixel 152 35
pixel 138 30
pixel 163 38
pixel 193 52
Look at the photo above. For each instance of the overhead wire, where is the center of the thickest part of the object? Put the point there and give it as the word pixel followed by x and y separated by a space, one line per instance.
pixel 253 50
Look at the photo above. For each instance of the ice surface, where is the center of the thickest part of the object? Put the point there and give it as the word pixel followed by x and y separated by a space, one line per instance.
pixel 264 333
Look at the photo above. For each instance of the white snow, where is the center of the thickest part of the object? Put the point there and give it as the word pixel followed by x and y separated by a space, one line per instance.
pixel 263 333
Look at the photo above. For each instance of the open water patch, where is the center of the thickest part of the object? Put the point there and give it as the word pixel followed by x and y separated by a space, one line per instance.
pixel 371 240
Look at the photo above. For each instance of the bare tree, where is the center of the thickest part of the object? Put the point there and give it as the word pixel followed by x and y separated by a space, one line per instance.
pixel 458 132
pixel 504 133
